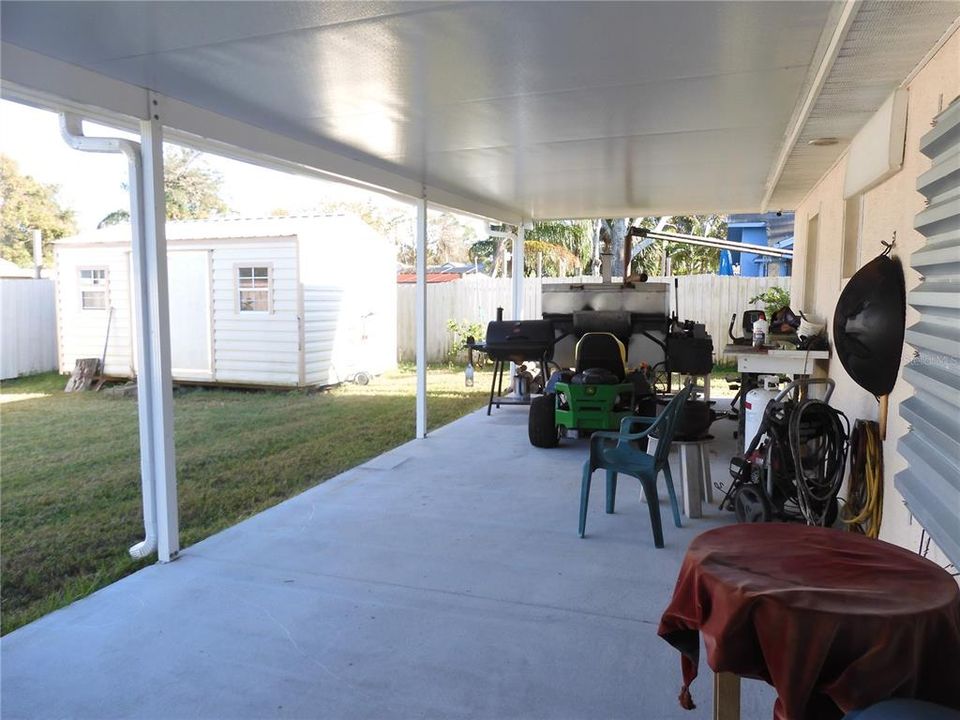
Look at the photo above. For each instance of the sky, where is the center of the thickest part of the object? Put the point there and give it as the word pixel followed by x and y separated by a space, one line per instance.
pixel 92 183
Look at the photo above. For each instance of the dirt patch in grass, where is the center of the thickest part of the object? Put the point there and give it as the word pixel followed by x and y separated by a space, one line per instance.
pixel 70 474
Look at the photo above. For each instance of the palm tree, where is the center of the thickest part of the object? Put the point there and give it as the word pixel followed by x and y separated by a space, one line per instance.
pixel 663 258
pixel 566 245
pixel 562 244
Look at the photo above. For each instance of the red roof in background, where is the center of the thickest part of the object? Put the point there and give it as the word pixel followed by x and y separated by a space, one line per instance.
pixel 408 278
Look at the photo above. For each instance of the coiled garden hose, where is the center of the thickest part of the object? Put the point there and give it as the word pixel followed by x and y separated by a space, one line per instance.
pixel 863 511
pixel 818 444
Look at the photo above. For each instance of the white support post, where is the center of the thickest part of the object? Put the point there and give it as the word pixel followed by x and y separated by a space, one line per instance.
pixel 517 277
pixel 421 316
pixel 37 253
pixel 518 274
pixel 156 374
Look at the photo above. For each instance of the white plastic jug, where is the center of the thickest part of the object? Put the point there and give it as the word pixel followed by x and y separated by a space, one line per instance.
pixel 760 330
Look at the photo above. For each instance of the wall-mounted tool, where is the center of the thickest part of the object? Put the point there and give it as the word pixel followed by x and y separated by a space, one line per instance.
pixel 868 327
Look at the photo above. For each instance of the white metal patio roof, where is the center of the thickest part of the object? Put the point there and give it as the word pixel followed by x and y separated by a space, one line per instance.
pixel 507 110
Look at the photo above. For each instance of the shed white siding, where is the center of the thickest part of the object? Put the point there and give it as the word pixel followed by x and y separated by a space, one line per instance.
pixel 254 347
pixel 349 302
pixel 82 333
pixel 331 311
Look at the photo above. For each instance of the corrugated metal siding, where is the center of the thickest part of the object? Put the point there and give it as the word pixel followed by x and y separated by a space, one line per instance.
pixel 28 327
pixel 931 483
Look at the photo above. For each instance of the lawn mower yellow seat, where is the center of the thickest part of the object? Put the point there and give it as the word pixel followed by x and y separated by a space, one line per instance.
pixel 600 351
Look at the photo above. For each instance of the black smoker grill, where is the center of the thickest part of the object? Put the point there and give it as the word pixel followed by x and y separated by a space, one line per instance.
pixel 516 341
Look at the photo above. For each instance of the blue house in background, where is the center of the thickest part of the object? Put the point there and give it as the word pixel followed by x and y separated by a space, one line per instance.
pixel 758 229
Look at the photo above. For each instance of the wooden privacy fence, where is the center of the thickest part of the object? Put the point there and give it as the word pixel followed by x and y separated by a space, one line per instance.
pixel 28 327
pixel 710 299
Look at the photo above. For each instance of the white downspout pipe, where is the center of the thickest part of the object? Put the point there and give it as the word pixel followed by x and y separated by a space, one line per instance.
pixel 71 128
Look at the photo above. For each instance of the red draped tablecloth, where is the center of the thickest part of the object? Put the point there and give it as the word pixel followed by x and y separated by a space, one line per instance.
pixel 835 621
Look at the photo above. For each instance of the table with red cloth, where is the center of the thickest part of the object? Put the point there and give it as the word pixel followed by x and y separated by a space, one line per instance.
pixel 835 621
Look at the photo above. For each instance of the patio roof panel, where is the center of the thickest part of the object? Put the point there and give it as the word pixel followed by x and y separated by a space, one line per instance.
pixel 384 90
pixel 393 85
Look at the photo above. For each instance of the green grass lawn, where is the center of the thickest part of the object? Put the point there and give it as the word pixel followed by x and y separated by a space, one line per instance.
pixel 70 480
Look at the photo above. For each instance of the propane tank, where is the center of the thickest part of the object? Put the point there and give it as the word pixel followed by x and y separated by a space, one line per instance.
pixel 754 405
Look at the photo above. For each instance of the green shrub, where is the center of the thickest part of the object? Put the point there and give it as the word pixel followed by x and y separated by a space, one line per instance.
pixel 461 331
pixel 773 299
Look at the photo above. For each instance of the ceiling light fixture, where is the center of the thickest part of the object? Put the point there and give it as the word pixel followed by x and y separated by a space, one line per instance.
pixel 823 141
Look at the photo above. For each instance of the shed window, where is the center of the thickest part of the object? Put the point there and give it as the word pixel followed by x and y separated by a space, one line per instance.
pixel 253 288
pixel 93 288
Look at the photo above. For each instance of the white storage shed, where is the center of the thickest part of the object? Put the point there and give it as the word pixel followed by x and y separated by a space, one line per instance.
pixel 290 301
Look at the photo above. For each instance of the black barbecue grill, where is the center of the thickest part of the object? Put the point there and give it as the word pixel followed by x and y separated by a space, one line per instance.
pixel 516 341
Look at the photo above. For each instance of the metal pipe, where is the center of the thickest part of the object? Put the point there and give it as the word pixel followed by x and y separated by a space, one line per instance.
pixel 712 242
pixel 71 129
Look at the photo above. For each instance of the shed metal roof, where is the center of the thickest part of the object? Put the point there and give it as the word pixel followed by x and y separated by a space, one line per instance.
pixel 267 228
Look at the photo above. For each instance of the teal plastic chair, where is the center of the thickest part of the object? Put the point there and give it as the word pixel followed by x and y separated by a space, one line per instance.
pixel 620 453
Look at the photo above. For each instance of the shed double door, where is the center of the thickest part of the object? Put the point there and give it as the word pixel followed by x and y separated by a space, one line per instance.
pixel 191 335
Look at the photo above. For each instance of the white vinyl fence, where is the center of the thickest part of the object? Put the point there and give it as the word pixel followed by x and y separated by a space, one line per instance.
pixel 28 327
pixel 710 299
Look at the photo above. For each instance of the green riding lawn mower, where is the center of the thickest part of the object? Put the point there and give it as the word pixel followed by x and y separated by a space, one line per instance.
pixel 596 395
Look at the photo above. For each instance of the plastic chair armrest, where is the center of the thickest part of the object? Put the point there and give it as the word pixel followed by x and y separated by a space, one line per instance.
pixel 627 423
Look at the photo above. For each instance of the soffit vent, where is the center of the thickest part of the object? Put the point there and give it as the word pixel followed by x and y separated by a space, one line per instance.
pixel 884 43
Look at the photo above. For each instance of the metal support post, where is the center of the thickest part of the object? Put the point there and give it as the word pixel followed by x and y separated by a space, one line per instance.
pixel 37 253
pixel 421 316
pixel 156 374
pixel 518 274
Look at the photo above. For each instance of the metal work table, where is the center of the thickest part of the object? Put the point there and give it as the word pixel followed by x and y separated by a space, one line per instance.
pixel 763 361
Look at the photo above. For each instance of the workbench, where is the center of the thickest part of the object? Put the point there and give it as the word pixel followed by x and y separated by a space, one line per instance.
pixel 768 361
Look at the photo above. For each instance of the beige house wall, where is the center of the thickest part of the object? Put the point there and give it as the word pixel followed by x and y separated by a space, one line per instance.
pixel 887 209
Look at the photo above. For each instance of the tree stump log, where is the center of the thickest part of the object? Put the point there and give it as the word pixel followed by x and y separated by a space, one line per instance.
pixel 84 373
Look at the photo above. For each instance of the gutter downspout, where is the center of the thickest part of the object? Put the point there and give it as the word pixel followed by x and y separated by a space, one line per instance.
pixel 71 129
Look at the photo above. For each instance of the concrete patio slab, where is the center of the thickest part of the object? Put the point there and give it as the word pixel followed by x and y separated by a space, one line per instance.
pixel 444 579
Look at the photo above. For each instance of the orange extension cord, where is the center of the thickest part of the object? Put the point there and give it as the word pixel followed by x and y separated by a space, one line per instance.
pixel 863 510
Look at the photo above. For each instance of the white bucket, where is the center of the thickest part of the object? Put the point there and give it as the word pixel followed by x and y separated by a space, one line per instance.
pixel 809 329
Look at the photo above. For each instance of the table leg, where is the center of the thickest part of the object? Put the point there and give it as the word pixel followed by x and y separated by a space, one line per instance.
pixel 493 384
pixel 690 479
pixel 705 473
pixel 726 696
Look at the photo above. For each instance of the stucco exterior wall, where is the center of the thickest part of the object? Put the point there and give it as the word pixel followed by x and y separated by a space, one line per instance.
pixel 887 209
